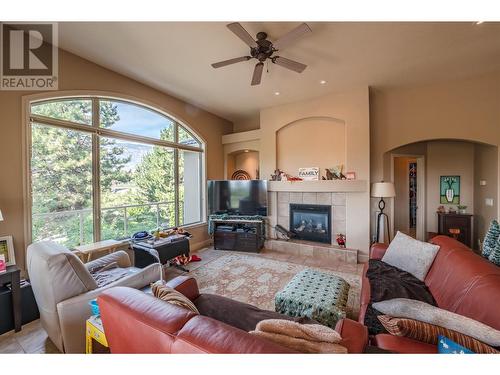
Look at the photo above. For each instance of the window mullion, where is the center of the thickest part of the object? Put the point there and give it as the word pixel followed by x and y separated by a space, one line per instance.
pixel 176 187
pixel 96 189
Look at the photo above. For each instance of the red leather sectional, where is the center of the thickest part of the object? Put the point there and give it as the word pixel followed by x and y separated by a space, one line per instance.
pixel 136 322
pixel 459 280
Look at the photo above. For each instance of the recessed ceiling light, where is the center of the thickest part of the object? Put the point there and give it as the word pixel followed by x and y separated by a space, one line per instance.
pixel 277 93
pixel 322 82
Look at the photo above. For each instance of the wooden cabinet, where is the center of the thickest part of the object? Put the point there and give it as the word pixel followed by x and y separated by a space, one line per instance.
pixel 457 221
pixel 238 235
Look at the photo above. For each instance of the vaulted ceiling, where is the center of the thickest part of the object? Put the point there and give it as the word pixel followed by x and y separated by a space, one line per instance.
pixel 175 57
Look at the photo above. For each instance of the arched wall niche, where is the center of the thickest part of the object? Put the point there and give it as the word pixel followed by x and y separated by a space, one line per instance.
pixel 311 142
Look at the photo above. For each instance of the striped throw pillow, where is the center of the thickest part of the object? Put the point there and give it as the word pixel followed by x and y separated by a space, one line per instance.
pixel 429 333
pixel 491 238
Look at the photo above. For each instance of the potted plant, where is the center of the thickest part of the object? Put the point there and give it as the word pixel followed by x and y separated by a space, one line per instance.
pixel 461 209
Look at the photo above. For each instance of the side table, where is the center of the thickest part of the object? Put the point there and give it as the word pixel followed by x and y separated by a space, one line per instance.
pixel 13 276
pixel 94 331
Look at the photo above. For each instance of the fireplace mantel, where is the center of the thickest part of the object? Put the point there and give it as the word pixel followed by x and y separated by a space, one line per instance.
pixel 321 186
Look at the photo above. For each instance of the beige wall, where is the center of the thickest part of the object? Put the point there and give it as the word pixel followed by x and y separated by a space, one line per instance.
pixel 76 73
pixel 449 159
pixel 465 110
pixel 315 142
pixel 249 123
pixel 352 109
pixel 485 168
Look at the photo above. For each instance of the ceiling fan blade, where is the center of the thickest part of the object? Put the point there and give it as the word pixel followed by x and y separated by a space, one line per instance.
pixel 289 64
pixel 293 35
pixel 241 33
pixel 220 64
pixel 257 74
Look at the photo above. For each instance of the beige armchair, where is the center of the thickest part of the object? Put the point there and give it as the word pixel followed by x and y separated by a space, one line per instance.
pixel 63 287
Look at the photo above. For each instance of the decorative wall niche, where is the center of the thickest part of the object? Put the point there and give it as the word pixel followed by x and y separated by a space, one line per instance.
pixel 311 142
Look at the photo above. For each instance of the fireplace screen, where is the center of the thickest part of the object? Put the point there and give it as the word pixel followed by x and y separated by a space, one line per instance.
pixel 311 222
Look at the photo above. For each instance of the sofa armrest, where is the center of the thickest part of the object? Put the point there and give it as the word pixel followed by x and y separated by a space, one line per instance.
pixel 354 335
pixel 186 285
pixel 120 257
pixel 377 250
pixel 73 312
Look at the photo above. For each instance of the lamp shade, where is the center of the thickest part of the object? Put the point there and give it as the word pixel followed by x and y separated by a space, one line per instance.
pixel 1 217
pixel 383 190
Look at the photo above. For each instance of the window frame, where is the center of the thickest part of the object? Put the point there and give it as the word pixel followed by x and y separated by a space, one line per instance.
pixel 96 131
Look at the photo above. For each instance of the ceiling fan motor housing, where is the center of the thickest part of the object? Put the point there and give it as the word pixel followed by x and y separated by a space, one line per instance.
pixel 264 49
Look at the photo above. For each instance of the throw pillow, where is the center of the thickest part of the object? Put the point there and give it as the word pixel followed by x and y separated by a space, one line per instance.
pixel 410 255
pixel 447 346
pixel 495 254
pixel 490 239
pixel 407 308
pixel 429 333
pixel 172 296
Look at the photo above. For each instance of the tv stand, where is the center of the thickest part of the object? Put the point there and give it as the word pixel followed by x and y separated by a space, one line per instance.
pixel 237 233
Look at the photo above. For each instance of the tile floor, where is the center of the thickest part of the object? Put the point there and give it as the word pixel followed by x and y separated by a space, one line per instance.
pixel 34 340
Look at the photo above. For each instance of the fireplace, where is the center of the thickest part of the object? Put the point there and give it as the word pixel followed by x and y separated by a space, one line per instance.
pixel 311 222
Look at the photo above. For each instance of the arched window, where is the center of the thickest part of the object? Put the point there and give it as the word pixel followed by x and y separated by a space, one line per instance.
pixel 104 168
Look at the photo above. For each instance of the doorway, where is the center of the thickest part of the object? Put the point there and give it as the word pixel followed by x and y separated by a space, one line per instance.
pixel 408 211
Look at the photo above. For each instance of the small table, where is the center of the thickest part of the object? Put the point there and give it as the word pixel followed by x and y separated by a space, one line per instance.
pixel 316 295
pixel 94 331
pixel 166 250
pixel 88 250
pixel 13 276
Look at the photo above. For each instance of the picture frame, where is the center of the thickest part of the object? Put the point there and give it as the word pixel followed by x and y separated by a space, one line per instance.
pixel 449 190
pixel 350 175
pixel 7 249
pixel 309 174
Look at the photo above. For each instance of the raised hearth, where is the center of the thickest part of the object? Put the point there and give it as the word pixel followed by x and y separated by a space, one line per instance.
pixel 313 249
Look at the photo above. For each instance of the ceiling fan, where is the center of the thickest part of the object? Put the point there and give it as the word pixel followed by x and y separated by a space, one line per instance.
pixel 263 49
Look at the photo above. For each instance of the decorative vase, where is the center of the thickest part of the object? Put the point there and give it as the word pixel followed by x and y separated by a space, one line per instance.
pixel 450 194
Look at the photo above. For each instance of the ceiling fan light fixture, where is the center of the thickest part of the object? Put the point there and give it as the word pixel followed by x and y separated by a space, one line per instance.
pixel 277 93
pixel 479 22
pixel 263 50
pixel 322 82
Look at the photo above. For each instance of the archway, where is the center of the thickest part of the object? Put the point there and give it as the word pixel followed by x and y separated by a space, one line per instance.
pixel 474 163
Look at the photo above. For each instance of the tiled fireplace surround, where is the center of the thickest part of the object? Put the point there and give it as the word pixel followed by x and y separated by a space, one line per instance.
pixel 279 213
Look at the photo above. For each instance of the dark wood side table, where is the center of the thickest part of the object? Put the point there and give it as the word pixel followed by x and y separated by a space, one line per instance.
pixel 13 276
pixel 463 222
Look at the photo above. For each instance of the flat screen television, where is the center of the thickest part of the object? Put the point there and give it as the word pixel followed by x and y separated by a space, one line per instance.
pixel 237 197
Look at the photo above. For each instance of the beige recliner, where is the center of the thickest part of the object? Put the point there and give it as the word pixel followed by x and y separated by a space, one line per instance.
pixel 63 287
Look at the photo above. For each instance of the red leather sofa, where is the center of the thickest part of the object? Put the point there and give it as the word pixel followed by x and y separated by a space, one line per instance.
pixel 136 322
pixel 459 280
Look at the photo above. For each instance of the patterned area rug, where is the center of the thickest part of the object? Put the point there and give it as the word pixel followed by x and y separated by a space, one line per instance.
pixel 255 280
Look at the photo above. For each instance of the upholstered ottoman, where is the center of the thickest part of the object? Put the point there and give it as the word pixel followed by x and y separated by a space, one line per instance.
pixel 316 295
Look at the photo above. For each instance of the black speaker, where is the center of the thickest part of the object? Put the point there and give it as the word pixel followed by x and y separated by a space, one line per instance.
pixel 29 308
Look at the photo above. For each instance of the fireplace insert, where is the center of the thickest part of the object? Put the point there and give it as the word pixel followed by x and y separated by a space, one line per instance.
pixel 311 222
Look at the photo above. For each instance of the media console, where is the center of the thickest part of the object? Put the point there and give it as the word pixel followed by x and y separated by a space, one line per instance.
pixel 238 234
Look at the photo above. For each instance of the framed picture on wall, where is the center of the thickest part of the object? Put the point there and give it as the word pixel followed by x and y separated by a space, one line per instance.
pixel 449 190
pixel 7 250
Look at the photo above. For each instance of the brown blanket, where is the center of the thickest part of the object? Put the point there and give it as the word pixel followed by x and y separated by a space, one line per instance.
pixel 304 338
pixel 388 282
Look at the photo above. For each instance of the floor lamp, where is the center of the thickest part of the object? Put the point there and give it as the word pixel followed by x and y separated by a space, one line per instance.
pixel 383 190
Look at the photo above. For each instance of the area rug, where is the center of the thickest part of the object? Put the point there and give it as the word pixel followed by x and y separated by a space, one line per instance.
pixel 255 280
